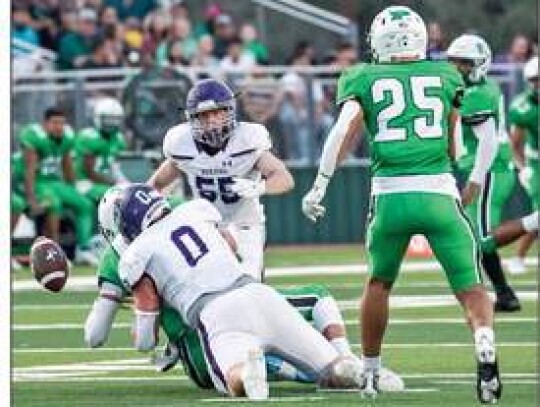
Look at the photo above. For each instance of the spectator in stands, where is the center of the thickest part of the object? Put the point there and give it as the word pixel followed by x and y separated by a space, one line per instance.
pixel 105 54
pixel 133 34
pixel 175 54
pixel 520 51
pixel 75 48
pixel 179 10
pixel 138 9
pixel 345 55
pixel 157 26
pixel 211 12
pixel 49 177
pixel 22 29
pixel 225 32
pixel 237 59
pixel 436 41
pixel 181 33
pixel 251 43
pixel 204 57
pixel 302 145
pixel 46 16
pixel 108 17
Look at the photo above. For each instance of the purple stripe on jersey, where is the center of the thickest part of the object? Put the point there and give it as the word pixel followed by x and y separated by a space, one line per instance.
pixel 209 355
pixel 182 157
pixel 238 154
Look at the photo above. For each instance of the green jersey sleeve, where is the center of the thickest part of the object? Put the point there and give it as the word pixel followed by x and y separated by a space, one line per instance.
pixel 88 142
pixel 350 84
pixel 30 137
pixel 108 269
pixel 517 113
pixel 480 102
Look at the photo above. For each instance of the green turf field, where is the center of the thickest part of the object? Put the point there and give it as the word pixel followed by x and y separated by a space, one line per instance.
pixel 429 345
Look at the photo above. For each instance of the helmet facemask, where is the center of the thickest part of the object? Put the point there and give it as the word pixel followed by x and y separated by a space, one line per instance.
pixel 215 131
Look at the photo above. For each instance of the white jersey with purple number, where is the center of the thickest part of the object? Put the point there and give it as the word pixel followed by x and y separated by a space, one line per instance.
pixel 210 177
pixel 184 254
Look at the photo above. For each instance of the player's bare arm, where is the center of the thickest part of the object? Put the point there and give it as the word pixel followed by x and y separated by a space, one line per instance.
pixel 165 175
pixel 277 177
pixel 517 142
pixel 146 301
pixel 89 163
pixel 67 168
pixel 30 162
pixel 452 123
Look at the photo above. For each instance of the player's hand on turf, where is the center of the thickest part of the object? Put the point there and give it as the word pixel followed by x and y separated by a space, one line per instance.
pixel 248 188
pixel 470 193
pixel 311 204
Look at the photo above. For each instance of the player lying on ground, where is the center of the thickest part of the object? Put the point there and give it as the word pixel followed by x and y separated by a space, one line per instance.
pixel 194 271
pixel 314 302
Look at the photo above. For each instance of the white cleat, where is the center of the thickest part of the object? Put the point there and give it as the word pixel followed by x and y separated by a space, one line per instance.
pixel 516 265
pixel 369 387
pixel 254 376
pixel 389 381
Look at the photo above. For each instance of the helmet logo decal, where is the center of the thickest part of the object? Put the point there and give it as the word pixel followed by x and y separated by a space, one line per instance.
pixel 398 14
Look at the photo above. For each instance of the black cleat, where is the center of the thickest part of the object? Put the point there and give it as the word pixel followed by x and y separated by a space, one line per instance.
pixel 488 383
pixel 507 301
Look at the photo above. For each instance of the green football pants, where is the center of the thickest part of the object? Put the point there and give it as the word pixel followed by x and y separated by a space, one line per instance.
pixel 57 195
pixel 394 218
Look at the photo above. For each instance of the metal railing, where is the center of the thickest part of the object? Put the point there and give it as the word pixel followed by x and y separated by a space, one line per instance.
pixel 152 98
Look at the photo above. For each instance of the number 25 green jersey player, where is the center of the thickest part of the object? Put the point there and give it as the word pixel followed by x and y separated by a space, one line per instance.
pixel 409 107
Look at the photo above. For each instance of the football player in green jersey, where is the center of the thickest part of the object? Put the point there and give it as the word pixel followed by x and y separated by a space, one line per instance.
pixel 49 177
pixel 409 107
pixel 524 136
pixel 314 302
pixel 486 158
pixel 97 148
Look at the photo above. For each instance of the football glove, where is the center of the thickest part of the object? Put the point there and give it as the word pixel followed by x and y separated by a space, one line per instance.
pixel 311 204
pixel 247 188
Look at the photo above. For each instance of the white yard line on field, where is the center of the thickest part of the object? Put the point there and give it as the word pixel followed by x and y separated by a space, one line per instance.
pixel 90 283
pixel 394 321
pixel 422 301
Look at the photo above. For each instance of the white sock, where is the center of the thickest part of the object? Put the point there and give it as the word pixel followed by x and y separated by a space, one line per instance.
pixel 530 222
pixel 484 342
pixel 326 312
pixel 341 344
pixel 372 363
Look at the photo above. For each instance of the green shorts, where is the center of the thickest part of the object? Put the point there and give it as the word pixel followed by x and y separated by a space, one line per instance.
pixel 394 218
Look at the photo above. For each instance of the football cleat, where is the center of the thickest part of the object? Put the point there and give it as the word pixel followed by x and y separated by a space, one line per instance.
pixel 516 265
pixel 254 376
pixel 369 386
pixel 488 383
pixel 507 301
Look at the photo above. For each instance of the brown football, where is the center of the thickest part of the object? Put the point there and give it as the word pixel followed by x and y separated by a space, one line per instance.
pixel 49 264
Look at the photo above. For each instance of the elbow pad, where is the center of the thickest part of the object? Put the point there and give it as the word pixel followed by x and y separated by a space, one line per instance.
pixel 145 332
pixel 99 322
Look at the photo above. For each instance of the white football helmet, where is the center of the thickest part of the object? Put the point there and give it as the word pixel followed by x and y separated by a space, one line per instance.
pixel 108 212
pixel 397 31
pixel 108 115
pixel 530 70
pixel 472 48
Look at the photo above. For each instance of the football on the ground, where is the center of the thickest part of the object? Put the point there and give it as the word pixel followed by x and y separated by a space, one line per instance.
pixel 49 264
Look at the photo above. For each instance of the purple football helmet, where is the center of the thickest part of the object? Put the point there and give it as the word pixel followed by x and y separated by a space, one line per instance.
pixel 206 95
pixel 142 205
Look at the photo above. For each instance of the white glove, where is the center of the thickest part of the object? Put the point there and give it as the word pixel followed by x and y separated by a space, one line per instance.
pixel 525 175
pixel 167 359
pixel 311 204
pixel 248 188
